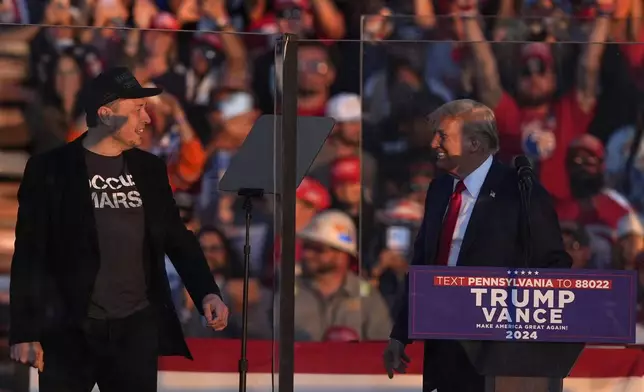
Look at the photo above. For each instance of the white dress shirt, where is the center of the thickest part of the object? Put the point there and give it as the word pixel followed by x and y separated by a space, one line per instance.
pixel 473 184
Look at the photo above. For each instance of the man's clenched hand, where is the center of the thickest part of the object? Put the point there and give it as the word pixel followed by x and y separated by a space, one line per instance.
pixel 395 358
pixel 215 311
pixel 29 353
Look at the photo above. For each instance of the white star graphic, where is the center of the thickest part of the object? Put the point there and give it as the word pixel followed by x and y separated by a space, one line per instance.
pixel 529 272
pixel 516 272
pixel 536 272
pixel 522 272
pixel 509 272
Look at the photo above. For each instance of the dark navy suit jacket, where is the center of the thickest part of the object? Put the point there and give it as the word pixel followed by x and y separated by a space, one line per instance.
pixel 492 238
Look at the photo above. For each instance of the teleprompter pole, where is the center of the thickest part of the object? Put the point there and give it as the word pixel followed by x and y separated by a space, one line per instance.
pixel 248 195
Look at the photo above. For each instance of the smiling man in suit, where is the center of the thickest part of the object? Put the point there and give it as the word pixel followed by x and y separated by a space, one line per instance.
pixel 473 217
pixel 95 219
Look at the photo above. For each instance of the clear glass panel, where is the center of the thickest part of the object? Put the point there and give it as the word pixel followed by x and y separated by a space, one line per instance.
pixel 561 96
pixel 210 101
pixel 404 68
pixel 330 199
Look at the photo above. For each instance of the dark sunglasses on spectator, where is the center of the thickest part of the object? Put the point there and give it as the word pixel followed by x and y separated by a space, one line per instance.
pixel 212 248
pixel 316 66
pixel 290 13
pixel 534 67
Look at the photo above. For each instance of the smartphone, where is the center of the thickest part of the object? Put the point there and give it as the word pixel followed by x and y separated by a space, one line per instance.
pixel 398 238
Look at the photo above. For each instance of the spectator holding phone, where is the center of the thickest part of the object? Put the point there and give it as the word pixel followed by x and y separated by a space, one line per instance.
pixel 388 252
pixel 348 194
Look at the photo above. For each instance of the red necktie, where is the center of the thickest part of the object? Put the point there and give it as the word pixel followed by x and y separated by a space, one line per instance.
pixel 449 224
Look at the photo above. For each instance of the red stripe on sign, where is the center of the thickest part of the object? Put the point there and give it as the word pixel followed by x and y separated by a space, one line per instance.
pixel 221 356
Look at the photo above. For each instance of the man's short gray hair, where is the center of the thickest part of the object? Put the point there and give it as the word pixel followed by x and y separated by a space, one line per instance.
pixel 478 120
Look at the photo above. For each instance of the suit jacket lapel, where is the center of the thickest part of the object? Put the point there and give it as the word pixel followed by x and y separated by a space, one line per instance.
pixel 435 220
pixel 482 208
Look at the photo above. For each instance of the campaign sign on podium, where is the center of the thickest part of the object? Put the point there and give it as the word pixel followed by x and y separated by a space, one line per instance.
pixel 545 305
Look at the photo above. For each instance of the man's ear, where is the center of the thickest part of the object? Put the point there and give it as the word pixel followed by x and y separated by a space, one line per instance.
pixel 475 144
pixel 105 115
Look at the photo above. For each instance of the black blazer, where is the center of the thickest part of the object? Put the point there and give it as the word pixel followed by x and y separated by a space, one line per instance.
pixel 56 245
pixel 493 238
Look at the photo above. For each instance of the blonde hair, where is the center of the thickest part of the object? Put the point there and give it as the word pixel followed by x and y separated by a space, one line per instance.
pixel 478 120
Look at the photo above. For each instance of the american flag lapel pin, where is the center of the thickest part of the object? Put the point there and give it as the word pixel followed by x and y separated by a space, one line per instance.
pixel 492 194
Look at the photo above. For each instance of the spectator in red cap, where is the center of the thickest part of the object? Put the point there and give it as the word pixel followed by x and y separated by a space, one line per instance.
pixel 537 122
pixel 345 183
pixel 348 195
pixel 311 198
pixel 591 203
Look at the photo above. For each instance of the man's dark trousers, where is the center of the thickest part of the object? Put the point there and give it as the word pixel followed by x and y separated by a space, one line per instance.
pixel 118 355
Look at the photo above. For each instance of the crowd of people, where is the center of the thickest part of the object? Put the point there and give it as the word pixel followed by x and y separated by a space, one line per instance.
pixel 575 109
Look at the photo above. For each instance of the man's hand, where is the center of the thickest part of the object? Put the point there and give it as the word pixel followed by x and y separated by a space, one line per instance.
pixel 215 311
pixel 188 11
pixel 57 12
pixel 108 10
pixel 395 261
pixel 29 353
pixel 144 11
pixel 395 358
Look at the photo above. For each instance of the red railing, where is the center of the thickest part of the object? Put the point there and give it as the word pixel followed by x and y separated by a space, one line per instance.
pixel 221 356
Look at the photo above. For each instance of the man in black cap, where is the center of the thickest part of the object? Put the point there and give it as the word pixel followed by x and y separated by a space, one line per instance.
pixel 96 218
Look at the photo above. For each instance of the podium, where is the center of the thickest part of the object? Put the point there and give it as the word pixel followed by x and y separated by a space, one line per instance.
pixel 523 329
pixel 522 366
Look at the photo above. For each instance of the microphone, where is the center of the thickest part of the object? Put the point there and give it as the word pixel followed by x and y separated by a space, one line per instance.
pixel 524 168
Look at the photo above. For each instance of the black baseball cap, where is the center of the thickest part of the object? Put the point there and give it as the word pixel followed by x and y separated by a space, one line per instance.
pixel 115 83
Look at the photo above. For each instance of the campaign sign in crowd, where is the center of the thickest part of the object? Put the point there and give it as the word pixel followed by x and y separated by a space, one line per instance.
pixel 522 304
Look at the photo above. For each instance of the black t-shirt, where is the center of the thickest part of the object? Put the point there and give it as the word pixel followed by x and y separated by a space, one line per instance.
pixel 120 288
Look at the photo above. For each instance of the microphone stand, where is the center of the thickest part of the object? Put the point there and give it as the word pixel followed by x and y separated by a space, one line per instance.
pixel 526 177
pixel 525 189
pixel 248 194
